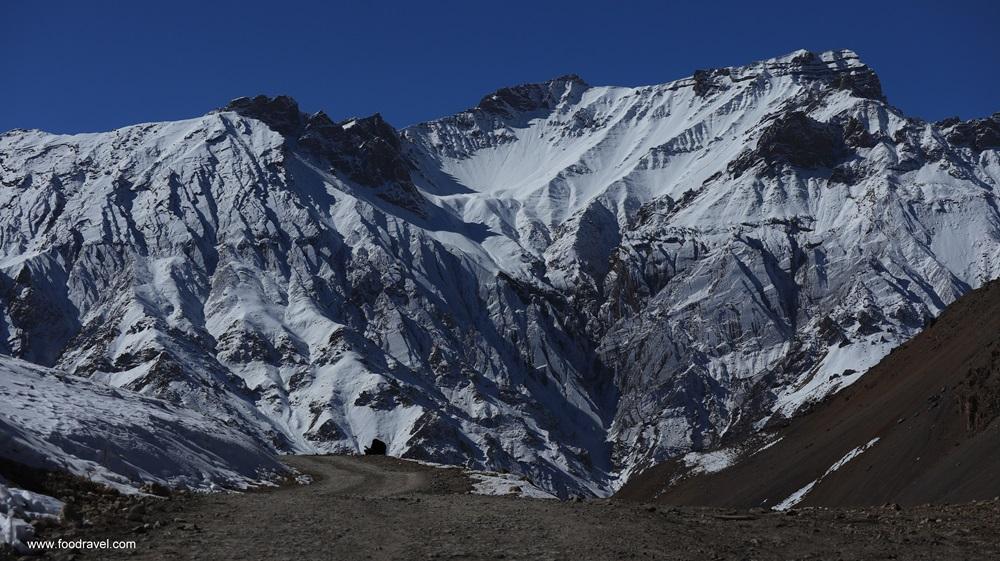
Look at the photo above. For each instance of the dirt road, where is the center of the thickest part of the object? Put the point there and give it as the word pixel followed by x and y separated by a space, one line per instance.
pixel 382 508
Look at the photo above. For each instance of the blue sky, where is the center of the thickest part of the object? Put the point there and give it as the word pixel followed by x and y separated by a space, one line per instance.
pixel 95 65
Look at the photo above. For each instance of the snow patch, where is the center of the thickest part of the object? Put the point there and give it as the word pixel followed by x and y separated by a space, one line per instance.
pixel 841 367
pixel 769 444
pixel 710 462
pixel 797 497
pixel 503 484
pixel 18 509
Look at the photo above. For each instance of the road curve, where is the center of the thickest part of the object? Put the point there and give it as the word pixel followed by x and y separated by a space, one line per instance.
pixel 347 476
pixel 384 508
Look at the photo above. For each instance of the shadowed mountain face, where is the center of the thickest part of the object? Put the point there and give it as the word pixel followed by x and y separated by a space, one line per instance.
pixel 921 426
pixel 566 281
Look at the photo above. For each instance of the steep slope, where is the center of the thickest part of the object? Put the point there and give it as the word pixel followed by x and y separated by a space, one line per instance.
pixel 740 242
pixel 113 437
pixel 274 270
pixel 121 439
pixel 568 282
pixel 921 426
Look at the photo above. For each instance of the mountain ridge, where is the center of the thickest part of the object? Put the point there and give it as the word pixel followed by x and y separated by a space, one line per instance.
pixel 573 282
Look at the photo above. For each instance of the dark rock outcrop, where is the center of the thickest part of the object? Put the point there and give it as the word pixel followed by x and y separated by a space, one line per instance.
pixel 367 149
pixel 281 113
pixel 856 135
pixel 861 82
pixel 378 448
pixel 795 139
pixel 705 80
pixel 978 134
pixel 531 97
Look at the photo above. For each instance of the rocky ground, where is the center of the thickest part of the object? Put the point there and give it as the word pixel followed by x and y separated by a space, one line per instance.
pixel 383 508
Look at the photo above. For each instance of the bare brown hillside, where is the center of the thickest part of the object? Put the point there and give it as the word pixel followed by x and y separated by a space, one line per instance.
pixel 932 404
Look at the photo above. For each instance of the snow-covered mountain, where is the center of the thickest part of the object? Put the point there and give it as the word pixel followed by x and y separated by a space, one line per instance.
pixel 568 282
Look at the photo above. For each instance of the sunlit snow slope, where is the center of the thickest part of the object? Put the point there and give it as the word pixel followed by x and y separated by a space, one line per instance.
pixel 568 282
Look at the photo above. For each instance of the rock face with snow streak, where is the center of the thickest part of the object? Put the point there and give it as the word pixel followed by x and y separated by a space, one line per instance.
pixel 565 281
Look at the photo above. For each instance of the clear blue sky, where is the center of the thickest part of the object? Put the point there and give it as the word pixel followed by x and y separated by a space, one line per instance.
pixel 88 65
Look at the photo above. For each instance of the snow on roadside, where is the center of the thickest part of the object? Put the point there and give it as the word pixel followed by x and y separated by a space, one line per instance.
pixel 18 508
pixel 796 497
pixel 501 484
pixel 496 484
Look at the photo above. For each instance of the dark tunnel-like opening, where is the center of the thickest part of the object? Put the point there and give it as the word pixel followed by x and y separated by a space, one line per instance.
pixel 378 448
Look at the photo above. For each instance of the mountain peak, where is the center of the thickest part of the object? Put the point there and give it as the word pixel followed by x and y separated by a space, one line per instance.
pixel 840 69
pixel 569 78
pixel 281 112
pixel 533 97
pixel 840 58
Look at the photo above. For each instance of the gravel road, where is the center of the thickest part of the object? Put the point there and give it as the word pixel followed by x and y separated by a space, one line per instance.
pixel 383 508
